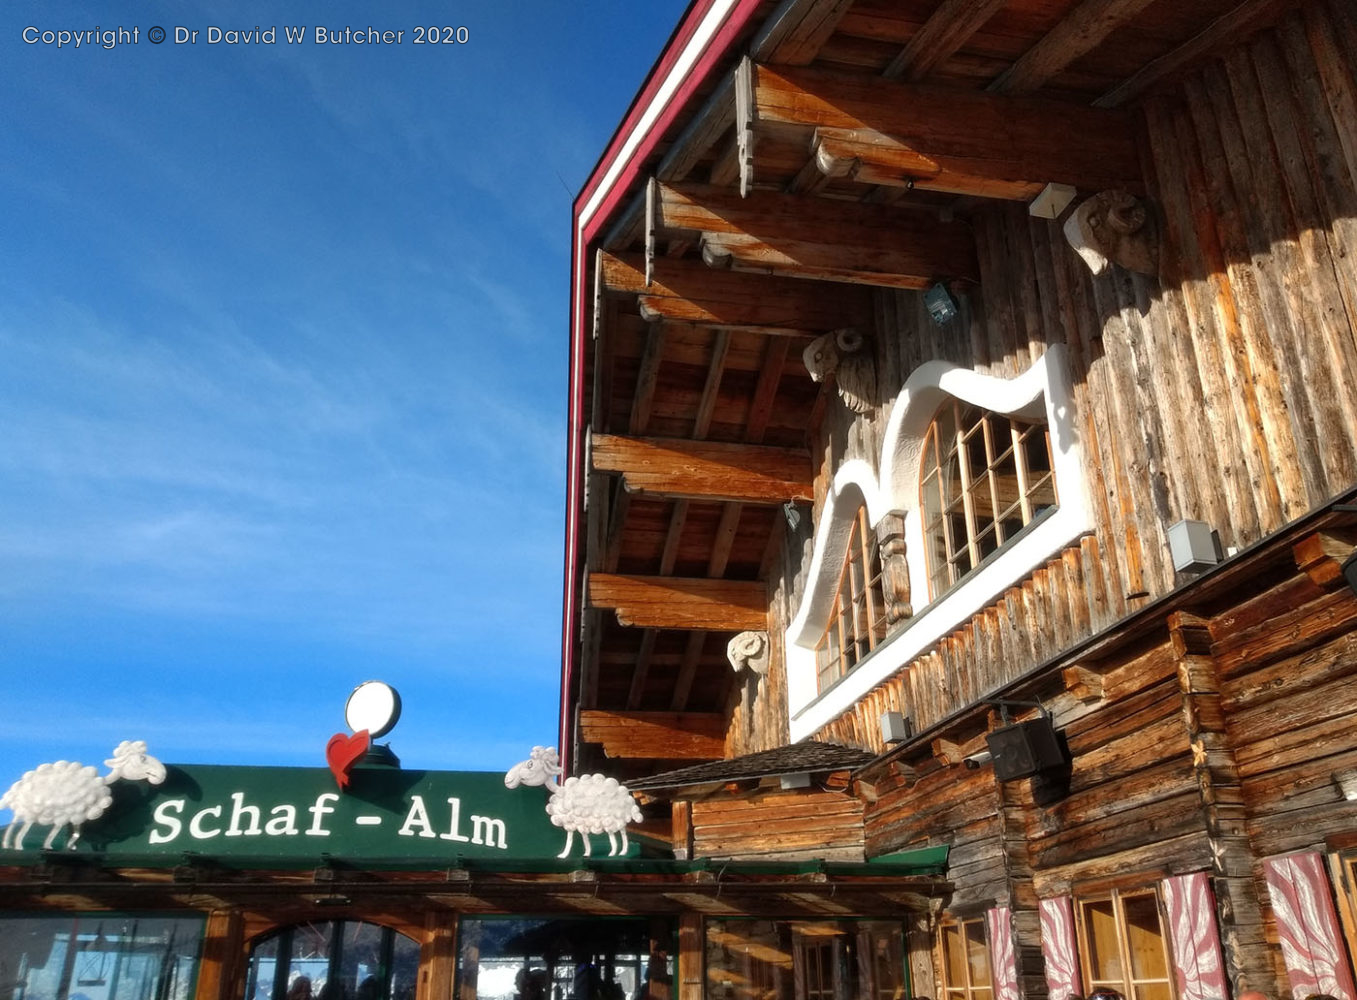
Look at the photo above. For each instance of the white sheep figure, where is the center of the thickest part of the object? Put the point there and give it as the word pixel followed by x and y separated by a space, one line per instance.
pixel 70 793
pixel 587 804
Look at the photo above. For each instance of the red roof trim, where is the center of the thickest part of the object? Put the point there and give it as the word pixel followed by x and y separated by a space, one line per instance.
pixel 584 232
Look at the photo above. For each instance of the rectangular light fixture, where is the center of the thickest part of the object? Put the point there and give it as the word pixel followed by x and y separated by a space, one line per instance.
pixel 895 728
pixel 1053 199
pixel 1193 546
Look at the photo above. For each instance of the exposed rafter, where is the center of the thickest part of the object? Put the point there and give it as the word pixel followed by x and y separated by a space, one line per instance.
pixel 946 30
pixel 656 735
pixel 966 142
pixel 681 602
pixel 1228 28
pixel 1081 31
pixel 688 290
pixel 794 33
pixel 811 237
pixel 706 470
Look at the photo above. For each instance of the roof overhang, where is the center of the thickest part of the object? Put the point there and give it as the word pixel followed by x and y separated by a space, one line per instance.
pixel 704 39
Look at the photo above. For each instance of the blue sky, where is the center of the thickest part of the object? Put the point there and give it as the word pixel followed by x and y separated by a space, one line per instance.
pixel 283 338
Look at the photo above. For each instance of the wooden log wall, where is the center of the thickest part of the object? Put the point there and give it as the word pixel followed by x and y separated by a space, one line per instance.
pixel 1225 390
pixel 789 825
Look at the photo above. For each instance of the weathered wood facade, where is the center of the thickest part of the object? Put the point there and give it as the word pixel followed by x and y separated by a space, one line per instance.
pixel 826 164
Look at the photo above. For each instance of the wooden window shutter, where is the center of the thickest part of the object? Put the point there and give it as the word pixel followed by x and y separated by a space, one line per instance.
pixel 1312 945
pixel 1003 962
pixel 1194 937
pixel 1058 948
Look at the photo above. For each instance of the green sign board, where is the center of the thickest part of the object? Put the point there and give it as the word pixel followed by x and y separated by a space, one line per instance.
pixel 293 816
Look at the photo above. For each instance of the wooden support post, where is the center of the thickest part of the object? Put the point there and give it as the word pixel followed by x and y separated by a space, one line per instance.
pixel 1239 913
pixel 682 836
pixel 442 951
pixel 223 961
pixel 658 986
pixel 690 957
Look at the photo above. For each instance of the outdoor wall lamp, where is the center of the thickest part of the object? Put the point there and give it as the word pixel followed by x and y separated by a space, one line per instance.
pixel 1024 749
pixel 1346 781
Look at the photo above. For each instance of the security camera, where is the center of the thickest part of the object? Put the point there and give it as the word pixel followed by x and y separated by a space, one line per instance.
pixel 978 760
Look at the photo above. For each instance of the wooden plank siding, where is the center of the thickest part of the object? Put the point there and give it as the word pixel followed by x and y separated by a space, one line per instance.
pixel 1222 391
pixel 786 825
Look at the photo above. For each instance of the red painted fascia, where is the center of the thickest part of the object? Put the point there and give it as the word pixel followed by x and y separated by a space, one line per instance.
pixel 583 233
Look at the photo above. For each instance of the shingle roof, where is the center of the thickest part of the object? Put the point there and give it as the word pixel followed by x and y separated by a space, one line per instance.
pixel 809 756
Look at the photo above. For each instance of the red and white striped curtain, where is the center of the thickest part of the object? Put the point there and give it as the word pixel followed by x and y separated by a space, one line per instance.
pixel 1058 947
pixel 1312 944
pixel 1003 962
pixel 1195 937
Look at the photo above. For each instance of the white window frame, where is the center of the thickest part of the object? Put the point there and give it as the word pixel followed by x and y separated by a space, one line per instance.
pixel 1042 393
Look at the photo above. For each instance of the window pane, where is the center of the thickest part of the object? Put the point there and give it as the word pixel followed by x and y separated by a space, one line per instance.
pixel 1103 954
pixel 361 975
pixel 977 953
pixel 1002 469
pixel 539 959
pixel 1143 938
pixel 99 957
pixel 310 960
pixel 954 955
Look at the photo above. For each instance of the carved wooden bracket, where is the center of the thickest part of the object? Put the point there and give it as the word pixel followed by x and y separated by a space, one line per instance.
pixel 749 651
pixel 890 537
pixel 848 355
pixel 1115 227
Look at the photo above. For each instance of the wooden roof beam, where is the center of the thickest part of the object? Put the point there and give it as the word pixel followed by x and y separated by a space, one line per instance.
pixel 794 33
pixel 963 142
pixel 947 29
pixel 806 237
pixel 681 602
pixel 1081 31
pixel 706 470
pixel 656 735
pixel 688 290
pixel 1224 30
pixel 710 123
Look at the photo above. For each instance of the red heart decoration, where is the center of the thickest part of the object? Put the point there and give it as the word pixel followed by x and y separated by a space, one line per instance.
pixel 344 751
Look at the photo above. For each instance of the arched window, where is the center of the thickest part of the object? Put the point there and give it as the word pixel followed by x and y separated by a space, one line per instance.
pixel 857 622
pixel 984 478
pixel 333 960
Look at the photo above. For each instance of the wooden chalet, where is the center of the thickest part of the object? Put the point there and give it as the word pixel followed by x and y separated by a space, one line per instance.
pixel 962 499
pixel 973 383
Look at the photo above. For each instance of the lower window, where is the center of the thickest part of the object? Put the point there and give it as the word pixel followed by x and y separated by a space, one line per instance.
pixel 1125 947
pixel 965 961
pixel 568 958
pixel 805 960
pixel 333 960
pixel 99 957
